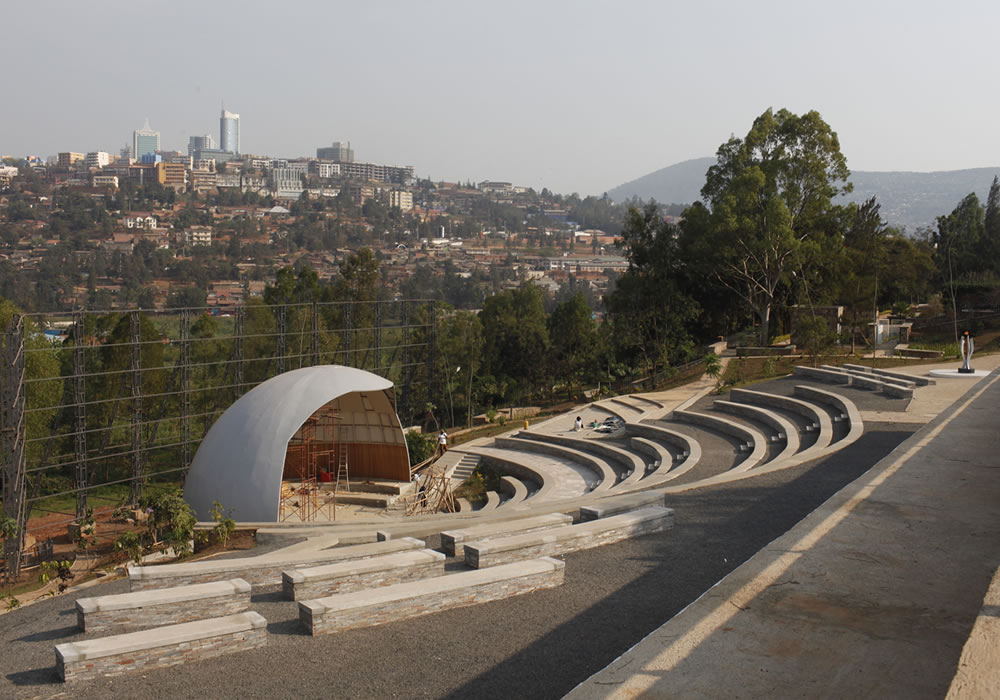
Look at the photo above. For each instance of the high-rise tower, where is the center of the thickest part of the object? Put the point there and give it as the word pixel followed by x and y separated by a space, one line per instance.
pixel 229 132
pixel 145 141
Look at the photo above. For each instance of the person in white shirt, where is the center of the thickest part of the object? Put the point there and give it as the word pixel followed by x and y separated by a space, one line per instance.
pixel 443 441
pixel 578 426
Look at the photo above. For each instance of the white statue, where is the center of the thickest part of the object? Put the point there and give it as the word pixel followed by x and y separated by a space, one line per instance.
pixel 966 346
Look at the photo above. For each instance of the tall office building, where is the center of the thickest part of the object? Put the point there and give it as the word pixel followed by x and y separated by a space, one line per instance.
pixel 145 141
pixel 197 143
pixel 338 152
pixel 229 132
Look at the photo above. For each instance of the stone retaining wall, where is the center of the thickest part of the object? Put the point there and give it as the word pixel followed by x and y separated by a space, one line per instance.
pixel 418 598
pixel 349 576
pixel 160 647
pixel 164 606
pixel 495 552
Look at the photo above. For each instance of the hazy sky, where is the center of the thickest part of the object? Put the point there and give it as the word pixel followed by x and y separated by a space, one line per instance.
pixel 573 96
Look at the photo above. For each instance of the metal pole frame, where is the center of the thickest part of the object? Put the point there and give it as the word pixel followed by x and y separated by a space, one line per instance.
pixel 135 328
pixel 282 344
pixel 80 413
pixel 185 361
pixel 314 336
pixel 12 437
pixel 238 340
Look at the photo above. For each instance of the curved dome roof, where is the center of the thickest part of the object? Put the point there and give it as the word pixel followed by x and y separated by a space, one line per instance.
pixel 240 461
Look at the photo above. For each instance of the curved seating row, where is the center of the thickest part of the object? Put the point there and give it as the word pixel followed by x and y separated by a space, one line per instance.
pixel 751 440
pixel 605 475
pixel 633 468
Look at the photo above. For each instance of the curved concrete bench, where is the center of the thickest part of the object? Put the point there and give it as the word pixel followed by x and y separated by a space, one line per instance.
pixel 823 375
pixel 755 441
pixel 162 606
pixel 606 476
pixel 516 468
pixel 890 386
pixel 616 505
pixel 160 647
pixel 784 429
pixel 652 402
pixel 492 501
pixel 916 379
pixel 660 458
pixel 814 414
pixel 453 541
pixel 690 449
pixel 514 489
pixel 402 601
pixel 347 576
pixel 632 466
pixel 841 404
pixel 562 540
pixel 630 406
pixel 262 570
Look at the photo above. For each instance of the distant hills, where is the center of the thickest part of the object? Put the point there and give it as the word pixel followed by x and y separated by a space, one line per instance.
pixel 908 199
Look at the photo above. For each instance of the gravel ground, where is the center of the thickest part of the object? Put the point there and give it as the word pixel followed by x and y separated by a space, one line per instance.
pixel 534 646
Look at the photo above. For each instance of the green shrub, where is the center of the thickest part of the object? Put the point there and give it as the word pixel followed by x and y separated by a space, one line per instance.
pixel 224 525
pixel 420 446
pixel 171 520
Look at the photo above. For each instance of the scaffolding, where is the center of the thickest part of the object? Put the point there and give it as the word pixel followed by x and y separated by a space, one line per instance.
pixel 115 409
pixel 433 494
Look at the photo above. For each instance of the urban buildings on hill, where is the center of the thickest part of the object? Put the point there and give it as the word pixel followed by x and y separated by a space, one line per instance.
pixel 198 143
pixel 229 132
pixel 338 153
pixel 145 141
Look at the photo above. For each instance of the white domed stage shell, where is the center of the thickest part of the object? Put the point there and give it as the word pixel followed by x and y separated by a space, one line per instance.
pixel 242 458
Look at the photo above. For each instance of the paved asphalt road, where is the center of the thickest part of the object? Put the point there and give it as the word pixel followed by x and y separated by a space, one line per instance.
pixel 534 646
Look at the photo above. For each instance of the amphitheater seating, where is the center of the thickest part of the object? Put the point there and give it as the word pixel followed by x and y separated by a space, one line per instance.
pixel 452 541
pixel 816 416
pixel 401 601
pixel 751 440
pixel 916 379
pixel 823 375
pixel 605 475
pixel 347 576
pixel 263 570
pixel 160 647
pixel 503 550
pixel 514 489
pixel 162 606
pixel 616 505
pixel 632 466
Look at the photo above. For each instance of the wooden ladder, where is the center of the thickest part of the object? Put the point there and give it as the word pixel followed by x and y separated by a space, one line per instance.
pixel 342 470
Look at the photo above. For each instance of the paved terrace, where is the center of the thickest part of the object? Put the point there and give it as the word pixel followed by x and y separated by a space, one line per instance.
pixel 872 595
pixel 545 644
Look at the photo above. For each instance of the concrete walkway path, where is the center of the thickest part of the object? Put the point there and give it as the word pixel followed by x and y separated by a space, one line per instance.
pixel 874 594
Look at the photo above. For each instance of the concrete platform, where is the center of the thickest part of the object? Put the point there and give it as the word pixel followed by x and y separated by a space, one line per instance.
pixel 874 594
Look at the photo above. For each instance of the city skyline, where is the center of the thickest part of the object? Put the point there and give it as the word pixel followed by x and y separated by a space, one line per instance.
pixel 533 94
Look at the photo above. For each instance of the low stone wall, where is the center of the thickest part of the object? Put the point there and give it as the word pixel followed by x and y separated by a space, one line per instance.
pixel 417 598
pixel 261 571
pixel 452 541
pixel 160 647
pixel 495 552
pixel 349 576
pixel 162 606
pixel 920 354
pixel 616 505
pixel 750 351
